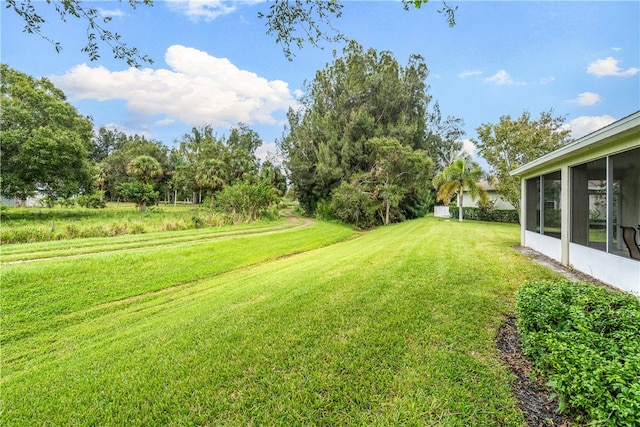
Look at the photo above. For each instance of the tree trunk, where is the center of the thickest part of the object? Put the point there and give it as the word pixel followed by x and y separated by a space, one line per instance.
pixel 386 219
pixel 143 207
pixel 460 206
pixel 175 198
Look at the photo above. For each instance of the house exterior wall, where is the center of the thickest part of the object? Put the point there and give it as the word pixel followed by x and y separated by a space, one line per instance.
pixel 610 265
pixel 549 246
pixel 620 272
pixel 499 203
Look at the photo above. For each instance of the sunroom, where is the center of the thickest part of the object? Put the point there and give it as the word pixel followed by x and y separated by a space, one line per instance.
pixel 580 204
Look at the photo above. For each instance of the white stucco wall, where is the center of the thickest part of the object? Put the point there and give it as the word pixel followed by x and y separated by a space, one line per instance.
pixel 549 246
pixel 499 202
pixel 622 273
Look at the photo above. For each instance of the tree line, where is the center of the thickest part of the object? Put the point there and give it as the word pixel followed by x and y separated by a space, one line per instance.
pixel 48 148
pixel 368 145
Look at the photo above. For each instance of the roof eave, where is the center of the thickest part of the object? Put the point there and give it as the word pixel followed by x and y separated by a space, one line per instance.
pixel 613 131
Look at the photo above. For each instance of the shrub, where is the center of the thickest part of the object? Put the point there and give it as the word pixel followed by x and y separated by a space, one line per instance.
pixel 324 211
pixel 352 205
pixel 117 229
pixel 173 225
pixel 67 202
pixel 25 235
pixel 586 340
pixel 245 201
pixel 197 221
pixel 47 202
pixel 217 220
pixel 136 228
pixel 139 193
pixel 491 215
pixel 94 200
pixel 72 231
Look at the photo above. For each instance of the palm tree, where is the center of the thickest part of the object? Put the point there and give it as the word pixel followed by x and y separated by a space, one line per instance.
pixel 211 175
pixel 145 168
pixel 462 175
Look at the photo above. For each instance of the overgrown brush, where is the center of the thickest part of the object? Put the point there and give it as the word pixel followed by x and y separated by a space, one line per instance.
pixel 586 340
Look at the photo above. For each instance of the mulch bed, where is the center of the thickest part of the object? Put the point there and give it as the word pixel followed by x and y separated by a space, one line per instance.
pixel 533 396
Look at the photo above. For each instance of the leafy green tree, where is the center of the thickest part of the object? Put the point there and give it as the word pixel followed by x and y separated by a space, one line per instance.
pixel 240 149
pixel 177 184
pixel 146 170
pixel 126 149
pixel 274 176
pixel 360 96
pixel 45 142
pixel 462 175
pixel 139 193
pixel 354 202
pixel 294 22
pixel 377 196
pixel 211 175
pixel 444 143
pixel 246 200
pixel 397 171
pixel 105 142
pixel 194 149
pixel 97 26
pixel 510 144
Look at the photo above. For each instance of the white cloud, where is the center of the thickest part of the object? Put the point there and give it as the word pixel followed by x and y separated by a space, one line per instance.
pixel 586 99
pixel 469 73
pixel 617 49
pixel 207 10
pixel 126 128
pixel 547 80
pixel 198 89
pixel 266 150
pixel 609 67
pixel 468 147
pixel 111 12
pixel 584 125
pixel 500 78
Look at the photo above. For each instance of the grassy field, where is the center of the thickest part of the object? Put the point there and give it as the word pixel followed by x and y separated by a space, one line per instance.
pixel 312 325
pixel 28 225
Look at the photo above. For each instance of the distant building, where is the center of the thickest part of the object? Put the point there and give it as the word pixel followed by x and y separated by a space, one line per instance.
pixel 499 202
pixel 30 202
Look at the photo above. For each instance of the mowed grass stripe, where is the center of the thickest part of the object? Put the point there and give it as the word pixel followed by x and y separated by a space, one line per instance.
pixel 54 249
pixel 394 327
pixel 41 297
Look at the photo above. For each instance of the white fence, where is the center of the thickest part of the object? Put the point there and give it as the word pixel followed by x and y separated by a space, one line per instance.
pixel 441 211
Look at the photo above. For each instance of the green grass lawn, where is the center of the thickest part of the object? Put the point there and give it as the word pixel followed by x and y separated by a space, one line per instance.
pixel 312 326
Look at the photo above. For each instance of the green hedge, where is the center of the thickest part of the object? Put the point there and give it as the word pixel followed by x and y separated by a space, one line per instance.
pixel 480 214
pixel 586 341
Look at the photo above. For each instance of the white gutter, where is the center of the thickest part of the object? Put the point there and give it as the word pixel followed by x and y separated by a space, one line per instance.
pixel 615 130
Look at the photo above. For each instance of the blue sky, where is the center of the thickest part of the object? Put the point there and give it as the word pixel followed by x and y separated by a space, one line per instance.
pixel 215 65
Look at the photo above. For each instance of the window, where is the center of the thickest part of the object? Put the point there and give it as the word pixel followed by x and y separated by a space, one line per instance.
pixel 552 212
pixel 625 194
pixel 533 204
pixel 605 196
pixel 589 204
pixel 547 221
